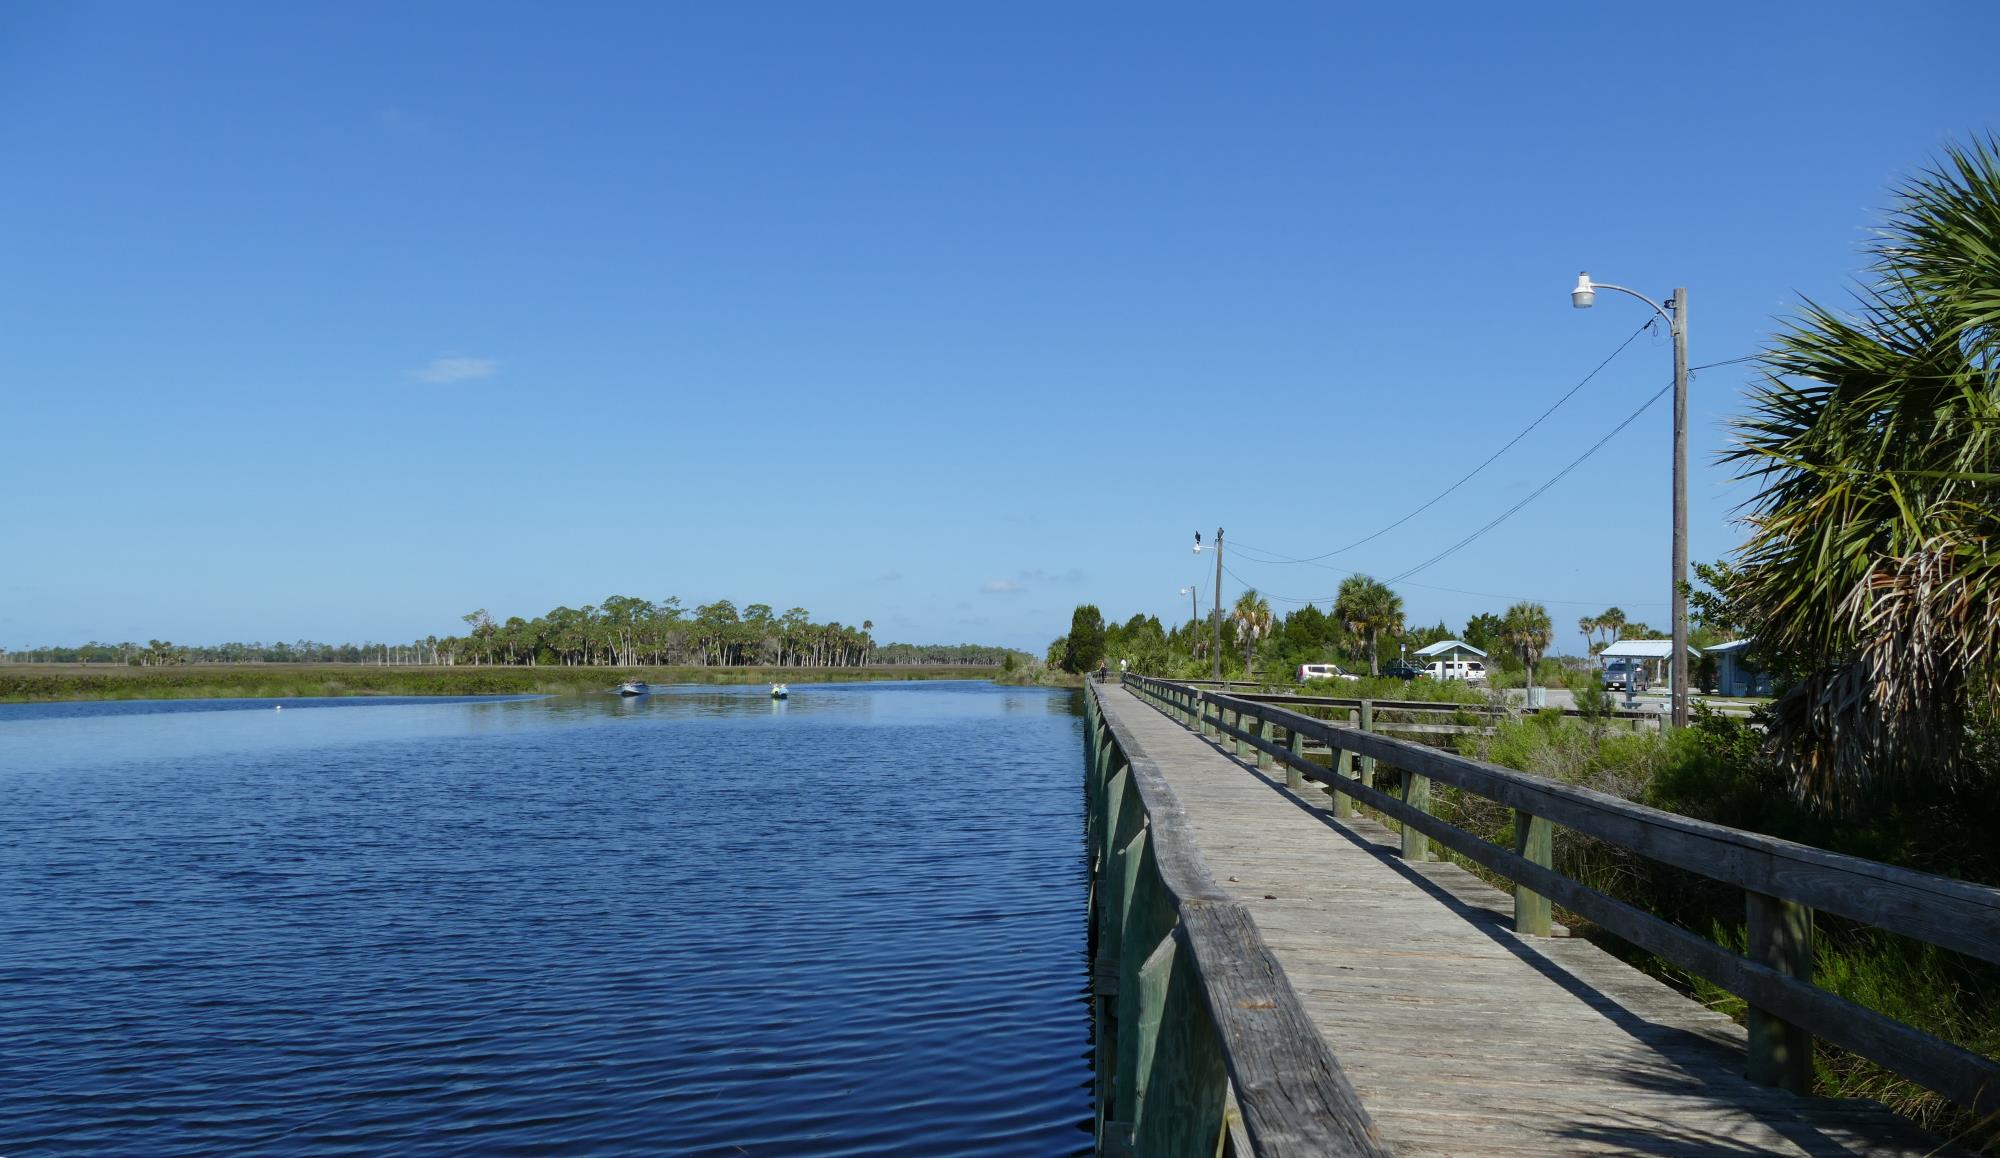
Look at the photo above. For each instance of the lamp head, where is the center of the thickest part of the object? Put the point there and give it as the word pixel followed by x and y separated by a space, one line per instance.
pixel 1584 295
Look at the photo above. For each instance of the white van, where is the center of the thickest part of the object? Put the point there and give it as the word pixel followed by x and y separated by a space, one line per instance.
pixel 1323 671
pixel 1457 669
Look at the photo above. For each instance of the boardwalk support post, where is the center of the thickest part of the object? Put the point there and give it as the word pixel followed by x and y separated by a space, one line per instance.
pixel 1780 936
pixel 1267 731
pixel 1416 794
pixel 1294 779
pixel 1343 766
pixel 1533 840
pixel 1184 1088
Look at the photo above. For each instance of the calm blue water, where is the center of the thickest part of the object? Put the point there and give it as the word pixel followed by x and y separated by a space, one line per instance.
pixel 695 923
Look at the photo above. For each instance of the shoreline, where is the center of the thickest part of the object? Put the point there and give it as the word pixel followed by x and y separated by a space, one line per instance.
pixel 58 683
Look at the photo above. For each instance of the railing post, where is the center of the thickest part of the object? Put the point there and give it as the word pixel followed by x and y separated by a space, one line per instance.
pixel 1780 936
pixel 1368 725
pixel 1416 794
pixel 1266 732
pixel 1294 779
pixel 1533 841
pixel 1343 766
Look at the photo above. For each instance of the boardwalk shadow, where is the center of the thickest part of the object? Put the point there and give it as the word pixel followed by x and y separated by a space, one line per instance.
pixel 1692 1063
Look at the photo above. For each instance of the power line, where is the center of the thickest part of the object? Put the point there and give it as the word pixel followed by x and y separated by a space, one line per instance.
pixel 1455 591
pixel 1439 497
pixel 1510 512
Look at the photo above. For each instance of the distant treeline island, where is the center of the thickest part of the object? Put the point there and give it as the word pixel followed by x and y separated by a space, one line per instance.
pixel 622 631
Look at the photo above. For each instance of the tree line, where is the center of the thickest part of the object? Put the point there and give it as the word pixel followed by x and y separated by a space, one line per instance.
pixel 621 631
pixel 1364 628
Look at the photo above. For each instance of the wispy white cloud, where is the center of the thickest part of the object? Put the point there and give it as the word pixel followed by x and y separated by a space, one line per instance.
pixel 1030 580
pixel 442 371
pixel 402 120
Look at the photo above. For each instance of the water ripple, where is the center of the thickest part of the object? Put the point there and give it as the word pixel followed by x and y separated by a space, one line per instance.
pixel 702 924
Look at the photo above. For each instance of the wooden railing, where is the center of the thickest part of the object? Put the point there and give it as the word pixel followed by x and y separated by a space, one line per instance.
pixel 1638 721
pixel 1202 1045
pixel 1783 883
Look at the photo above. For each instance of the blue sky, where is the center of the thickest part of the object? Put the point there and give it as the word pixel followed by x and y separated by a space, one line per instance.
pixel 340 321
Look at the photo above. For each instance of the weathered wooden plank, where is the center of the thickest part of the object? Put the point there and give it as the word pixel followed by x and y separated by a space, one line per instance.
pixel 1295 1099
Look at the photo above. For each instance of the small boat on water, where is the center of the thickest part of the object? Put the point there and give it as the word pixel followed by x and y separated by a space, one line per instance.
pixel 780 692
pixel 633 688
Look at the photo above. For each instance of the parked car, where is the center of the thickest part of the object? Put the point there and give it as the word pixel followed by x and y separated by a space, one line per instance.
pixel 1622 675
pixel 1403 669
pixel 1457 669
pixel 1323 671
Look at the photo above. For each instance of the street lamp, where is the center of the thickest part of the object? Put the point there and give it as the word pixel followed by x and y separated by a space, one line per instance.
pixel 1218 597
pixel 1675 312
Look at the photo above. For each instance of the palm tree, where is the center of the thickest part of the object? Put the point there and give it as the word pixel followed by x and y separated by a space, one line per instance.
pixel 1612 623
pixel 1870 570
pixel 1369 608
pixel 1587 627
pixel 1253 622
pixel 1527 629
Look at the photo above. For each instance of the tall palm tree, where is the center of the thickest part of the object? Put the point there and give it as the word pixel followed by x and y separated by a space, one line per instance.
pixel 1369 608
pixel 1587 627
pixel 1253 622
pixel 1870 570
pixel 1612 622
pixel 1527 629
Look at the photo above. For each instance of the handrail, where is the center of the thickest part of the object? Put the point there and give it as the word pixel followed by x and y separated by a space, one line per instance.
pixel 1783 881
pixel 1199 1008
pixel 1417 705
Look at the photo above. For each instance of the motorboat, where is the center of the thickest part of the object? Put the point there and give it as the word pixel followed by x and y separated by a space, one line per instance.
pixel 634 688
pixel 780 692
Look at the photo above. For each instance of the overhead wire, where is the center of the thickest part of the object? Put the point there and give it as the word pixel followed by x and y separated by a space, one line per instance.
pixel 1510 512
pixel 1468 476
pixel 1301 600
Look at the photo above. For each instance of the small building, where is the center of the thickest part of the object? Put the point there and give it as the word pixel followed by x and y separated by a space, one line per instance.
pixel 1650 655
pixel 1734 677
pixel 1453 659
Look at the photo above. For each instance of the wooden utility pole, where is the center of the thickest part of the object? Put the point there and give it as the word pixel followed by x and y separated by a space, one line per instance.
pixel 1679 304
pixel 1218 604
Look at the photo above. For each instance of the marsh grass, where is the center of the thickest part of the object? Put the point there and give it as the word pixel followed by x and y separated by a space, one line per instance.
pixel 47 682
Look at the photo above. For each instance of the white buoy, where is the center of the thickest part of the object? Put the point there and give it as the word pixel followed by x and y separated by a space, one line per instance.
pixel 277 707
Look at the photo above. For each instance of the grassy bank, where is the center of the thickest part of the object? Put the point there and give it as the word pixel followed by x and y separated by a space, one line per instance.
pixel 42 682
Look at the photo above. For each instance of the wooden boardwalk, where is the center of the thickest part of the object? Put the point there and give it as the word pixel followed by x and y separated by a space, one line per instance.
pixel 1461 1036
